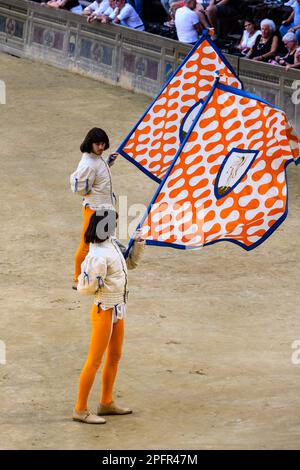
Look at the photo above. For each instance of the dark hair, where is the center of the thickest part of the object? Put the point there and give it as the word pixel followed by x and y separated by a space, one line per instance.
pixel 102 225
pixel 252 21
pixel 94 136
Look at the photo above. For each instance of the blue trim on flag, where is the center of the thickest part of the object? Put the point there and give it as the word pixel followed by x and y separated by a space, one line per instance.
pixel 185 118
pixel 236 242
pixel 236 91
pixel 203 38
pixel 131 241
pixel 223 58
pixel 236 150
pixel 232 90
pixel 170 245
pixel 140 167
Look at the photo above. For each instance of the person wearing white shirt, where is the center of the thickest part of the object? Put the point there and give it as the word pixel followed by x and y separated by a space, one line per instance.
pixel 187 23
pixel 97 5
pixel 249 37
pixel 125 15
pixel 104 15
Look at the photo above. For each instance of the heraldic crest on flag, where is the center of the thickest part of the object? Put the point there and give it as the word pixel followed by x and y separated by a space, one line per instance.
pixel 154 141
pixel 226 181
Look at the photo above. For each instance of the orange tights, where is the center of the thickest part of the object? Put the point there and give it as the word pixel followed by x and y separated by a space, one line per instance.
pixel 83 247
pixel 106 337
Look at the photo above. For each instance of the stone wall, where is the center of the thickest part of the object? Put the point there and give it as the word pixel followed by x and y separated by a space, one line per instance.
pixel 131 59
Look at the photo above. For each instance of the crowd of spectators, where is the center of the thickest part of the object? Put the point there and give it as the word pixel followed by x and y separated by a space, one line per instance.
pixel 234 24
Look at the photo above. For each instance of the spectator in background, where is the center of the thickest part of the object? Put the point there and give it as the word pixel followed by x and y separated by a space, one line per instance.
pixel 249 37
pixel 107 16
pixel 266 44
pixel 296 64
pixel 292 24
pixel 187 23
pixel 219 9
pixel 97 5
pixel 171 6
pixel 167 4
pixel 125 15
pixel 201 11
pixel 290 42
pixel 290 3
pixel 137 5
pixel 71 5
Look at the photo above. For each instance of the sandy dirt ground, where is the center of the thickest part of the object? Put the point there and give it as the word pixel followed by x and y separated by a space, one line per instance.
pixel 207 357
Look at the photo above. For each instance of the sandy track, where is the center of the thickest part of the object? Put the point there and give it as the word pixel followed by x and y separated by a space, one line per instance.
pixel 207 359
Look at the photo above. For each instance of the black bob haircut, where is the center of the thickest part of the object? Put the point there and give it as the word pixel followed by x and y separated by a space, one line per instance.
pixel 94 136
pixel 102 225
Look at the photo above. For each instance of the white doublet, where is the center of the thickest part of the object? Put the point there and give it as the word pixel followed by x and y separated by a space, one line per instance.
pixel 92 179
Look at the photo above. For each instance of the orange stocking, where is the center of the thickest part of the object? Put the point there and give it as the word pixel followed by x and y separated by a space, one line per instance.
pixel 83 247
pixel 108 337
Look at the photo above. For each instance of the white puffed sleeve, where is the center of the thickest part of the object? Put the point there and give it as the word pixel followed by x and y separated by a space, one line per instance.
pixel 92 277
pixel 82 180
pixel 135 254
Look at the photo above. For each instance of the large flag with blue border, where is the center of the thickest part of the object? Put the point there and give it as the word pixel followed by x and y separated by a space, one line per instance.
pixel 227 181
pixel 155 139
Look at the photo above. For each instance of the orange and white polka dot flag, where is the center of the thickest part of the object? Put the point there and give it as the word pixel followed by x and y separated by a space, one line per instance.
pixel 227 182
pixel 154 141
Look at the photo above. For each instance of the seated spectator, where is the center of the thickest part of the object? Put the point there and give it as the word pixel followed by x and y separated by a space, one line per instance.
pixel 290 42
pixel 249 37
pixel 171 6
pixel 98 5
pixel 107 16
pixel 125 15
pixel 187 23
pixel 220 9
pixel 296 64
pixel 266 43
pixel 292 24
pixel 201 11
pixel 137 5
pixel 167 4
pixel 71 5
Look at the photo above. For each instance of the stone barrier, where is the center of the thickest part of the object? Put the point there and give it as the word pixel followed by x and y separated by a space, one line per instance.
pixel 134 60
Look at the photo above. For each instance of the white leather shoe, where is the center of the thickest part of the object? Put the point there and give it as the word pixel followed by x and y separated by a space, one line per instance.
pixel 87 417
pixel 112 409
